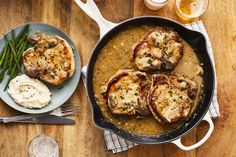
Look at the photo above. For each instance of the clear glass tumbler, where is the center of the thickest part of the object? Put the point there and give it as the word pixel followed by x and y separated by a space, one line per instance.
pixel 43 146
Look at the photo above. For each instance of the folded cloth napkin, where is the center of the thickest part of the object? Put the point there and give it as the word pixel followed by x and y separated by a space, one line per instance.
pixel 117 144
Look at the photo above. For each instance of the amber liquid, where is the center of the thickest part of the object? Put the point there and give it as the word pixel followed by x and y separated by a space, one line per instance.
pixel 185 19
pixel 190 10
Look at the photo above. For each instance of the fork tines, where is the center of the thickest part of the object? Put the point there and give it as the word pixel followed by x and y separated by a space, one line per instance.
pixel 69 109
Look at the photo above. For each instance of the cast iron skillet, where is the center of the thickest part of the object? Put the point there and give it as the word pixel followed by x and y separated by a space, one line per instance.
pixel 195 39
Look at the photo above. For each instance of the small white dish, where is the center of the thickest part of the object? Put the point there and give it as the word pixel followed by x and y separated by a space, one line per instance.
pixel 155 4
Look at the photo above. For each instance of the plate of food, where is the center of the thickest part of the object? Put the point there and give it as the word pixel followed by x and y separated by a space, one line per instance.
pixel 39 68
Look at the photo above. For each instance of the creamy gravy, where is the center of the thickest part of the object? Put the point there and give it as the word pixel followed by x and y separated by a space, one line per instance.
pixel 116 55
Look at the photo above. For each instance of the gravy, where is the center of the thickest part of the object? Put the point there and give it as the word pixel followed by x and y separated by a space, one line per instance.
pixel 116 55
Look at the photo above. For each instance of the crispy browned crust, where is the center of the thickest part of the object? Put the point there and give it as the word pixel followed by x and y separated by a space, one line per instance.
pixel 113 80
pixel 165 61
pixel 117 82
pixel 52 64
pixel 155 79
pixel 173 84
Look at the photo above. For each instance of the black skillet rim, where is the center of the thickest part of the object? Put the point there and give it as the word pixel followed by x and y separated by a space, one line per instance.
pixel 201 110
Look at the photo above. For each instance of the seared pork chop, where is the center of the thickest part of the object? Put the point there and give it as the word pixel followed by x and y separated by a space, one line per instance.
pixel 160 48
pixel 126 93
pixel 171 97
pixel 51 59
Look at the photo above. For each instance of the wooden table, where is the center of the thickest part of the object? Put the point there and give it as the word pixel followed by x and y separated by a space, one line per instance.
pixel 84 139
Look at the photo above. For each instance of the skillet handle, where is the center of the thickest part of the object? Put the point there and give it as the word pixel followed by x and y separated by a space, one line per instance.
pixel 93 12
pixel 208 134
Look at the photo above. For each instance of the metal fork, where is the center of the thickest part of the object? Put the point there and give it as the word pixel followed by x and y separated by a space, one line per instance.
pixel 63 111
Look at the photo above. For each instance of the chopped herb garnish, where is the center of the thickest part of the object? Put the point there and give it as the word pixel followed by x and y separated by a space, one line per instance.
pixel 136 94
pixel 121 97
pixel 161 47
pixel 170 92
pixel 149 61
pixel 164 49
pixel 165 36
pixel 127 103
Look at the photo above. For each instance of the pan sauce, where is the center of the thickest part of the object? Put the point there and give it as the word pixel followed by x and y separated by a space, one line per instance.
pixel 116 55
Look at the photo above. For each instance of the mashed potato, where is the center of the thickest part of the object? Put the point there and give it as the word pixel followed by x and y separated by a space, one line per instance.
pixel 28 92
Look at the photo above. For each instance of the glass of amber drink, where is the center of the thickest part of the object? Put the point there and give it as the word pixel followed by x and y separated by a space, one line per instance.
pixel 190 10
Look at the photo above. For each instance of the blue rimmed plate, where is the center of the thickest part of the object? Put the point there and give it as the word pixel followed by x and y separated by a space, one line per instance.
pixel 60 94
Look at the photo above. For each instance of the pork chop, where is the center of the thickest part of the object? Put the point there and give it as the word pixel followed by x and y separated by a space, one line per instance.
pixel 171 97
pixel 126 93
pixel 160 48
pixel 51 59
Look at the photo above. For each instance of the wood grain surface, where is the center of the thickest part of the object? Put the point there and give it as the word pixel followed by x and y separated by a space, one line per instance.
pixel 84 139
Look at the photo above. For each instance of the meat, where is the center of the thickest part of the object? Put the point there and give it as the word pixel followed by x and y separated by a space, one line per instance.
pixel 171 97
pixel 51 59
pixel 160 48
pixel 126 93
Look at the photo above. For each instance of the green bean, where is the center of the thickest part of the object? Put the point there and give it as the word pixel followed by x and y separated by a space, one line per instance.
pixel 4 54
pixel 7 52
pixel 4 69
pixel 24 30
pixel 2 74
pixel 24 47
pixel 21 49
pixel 4 60
pixel 14 53
pixel 10 62
pixel 13 37
pixel 12 75
pixel 18 58
pixel 2 51
pixel 12 70
pixel 21 52
pixel 11 56
pixel 21 41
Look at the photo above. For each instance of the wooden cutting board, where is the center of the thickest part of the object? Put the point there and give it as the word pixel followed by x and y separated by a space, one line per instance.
pixel 84 139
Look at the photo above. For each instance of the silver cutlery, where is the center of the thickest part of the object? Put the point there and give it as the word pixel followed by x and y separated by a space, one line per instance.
pixel 49 119
pixel 64 110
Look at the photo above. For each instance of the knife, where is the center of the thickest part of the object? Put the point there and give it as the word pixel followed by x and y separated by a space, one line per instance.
pixel 48 119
